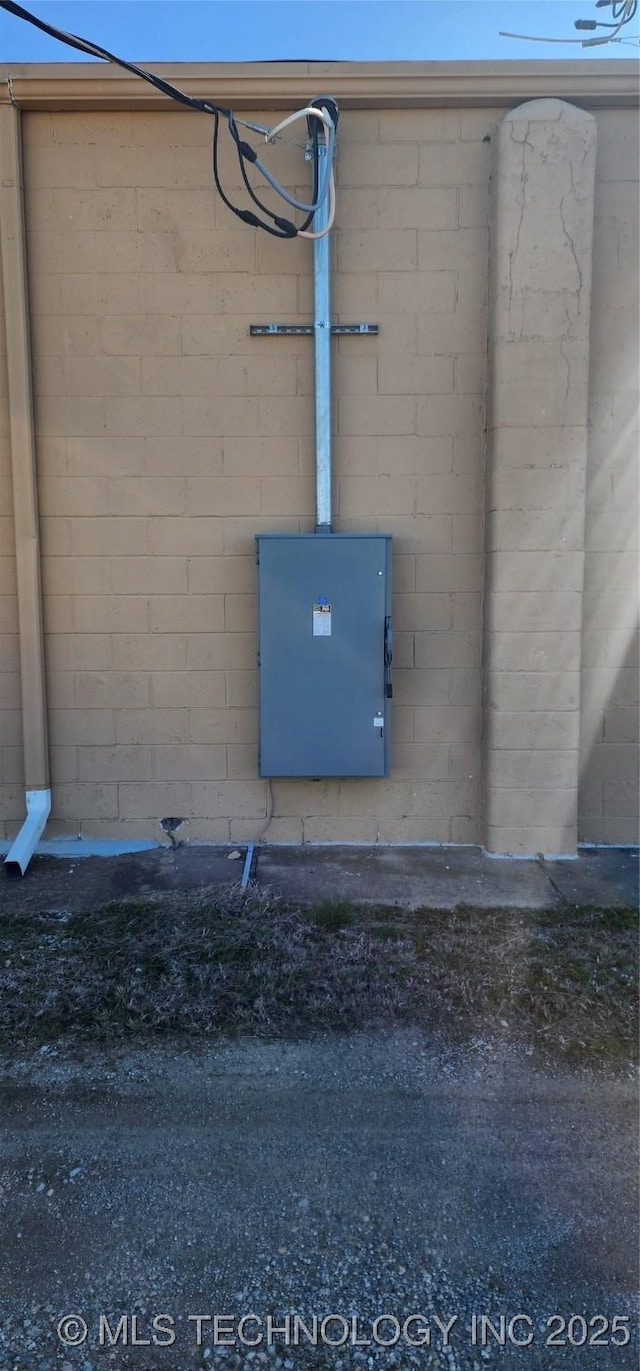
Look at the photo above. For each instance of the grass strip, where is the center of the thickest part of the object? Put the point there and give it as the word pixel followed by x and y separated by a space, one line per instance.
pixel 237 963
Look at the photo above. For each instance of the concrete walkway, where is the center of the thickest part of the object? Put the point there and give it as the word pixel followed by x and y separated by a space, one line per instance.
pixel 445 877
pixel 414 877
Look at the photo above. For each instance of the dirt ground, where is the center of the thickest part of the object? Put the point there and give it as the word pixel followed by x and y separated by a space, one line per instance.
pixel 416 1203
pixel 353 1177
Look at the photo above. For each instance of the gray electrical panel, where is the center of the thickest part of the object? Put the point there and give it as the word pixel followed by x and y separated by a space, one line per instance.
pixel 324 654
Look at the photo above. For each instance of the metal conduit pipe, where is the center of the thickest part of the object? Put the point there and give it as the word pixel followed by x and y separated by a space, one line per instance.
pixel 25 495
pixel 322 355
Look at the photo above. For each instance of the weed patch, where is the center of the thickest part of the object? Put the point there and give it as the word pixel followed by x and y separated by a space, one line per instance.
pixel 243 963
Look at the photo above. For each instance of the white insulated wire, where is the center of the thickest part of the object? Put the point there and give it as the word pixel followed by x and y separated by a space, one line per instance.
pixel 531 38
pixel 329 126
pixel 273 133
pixel 308 233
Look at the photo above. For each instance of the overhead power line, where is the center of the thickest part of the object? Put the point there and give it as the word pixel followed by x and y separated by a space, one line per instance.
pixel 321 119
pixel 622 12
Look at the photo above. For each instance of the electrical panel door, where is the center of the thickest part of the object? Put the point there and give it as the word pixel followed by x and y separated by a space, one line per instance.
pixel 324 654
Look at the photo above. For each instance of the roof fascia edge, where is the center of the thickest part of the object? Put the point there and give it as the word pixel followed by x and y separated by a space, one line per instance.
pixel 274 85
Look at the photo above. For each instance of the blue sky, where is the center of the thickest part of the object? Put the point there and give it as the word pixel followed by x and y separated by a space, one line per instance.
pixel 338 30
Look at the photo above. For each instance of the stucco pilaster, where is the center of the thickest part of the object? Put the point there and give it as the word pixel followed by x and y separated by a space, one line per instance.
pixel 541 248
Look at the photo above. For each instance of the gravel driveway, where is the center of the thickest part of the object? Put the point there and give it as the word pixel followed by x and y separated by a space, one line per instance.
pixel 347 1177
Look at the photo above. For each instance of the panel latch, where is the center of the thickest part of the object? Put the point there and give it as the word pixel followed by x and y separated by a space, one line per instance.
pixel 388 656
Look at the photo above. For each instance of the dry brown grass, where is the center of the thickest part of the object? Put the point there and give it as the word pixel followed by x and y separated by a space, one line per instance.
pixel 242 963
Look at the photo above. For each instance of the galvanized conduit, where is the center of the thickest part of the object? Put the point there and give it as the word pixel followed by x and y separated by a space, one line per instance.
pixel 323 398
pixel 25 495
pixel 322 365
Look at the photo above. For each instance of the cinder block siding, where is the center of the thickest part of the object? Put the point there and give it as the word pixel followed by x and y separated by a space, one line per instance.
pixel 167 437
pixel 609 707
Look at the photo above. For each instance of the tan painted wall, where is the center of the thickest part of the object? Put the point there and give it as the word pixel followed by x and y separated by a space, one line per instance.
pixel 167 437
pixel 609 785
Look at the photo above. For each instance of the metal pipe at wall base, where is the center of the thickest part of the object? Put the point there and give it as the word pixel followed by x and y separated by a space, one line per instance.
pixel 322 350
pixel 246 870
pixel 38 803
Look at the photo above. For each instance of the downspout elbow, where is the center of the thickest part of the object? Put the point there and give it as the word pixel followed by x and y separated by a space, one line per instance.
pixel 24 844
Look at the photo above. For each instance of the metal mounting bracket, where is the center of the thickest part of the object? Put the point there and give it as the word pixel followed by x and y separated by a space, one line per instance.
pixel 308 330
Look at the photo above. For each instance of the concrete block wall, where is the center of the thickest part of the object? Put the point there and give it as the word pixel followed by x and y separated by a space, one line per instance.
pixel 167 437
pixel 609 699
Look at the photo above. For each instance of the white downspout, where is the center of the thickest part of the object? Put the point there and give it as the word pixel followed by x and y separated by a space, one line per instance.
pixel 23 846
pixel 25 494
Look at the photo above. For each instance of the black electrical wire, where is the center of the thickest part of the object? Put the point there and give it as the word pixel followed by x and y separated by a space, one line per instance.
pixel 93 49
pixel 621 11
pixel 264 208
pixel 287 229
pixel 284 227
pixel 245 214
pixel 618 10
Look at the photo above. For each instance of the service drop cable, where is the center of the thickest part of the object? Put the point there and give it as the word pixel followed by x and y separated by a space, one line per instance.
pixel 284 228
pixel 299 204
pixel 622 12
